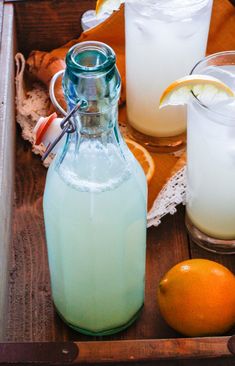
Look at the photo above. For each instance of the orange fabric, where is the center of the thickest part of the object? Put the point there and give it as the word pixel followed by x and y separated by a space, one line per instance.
pixel 112 32
pixel 222 37
pixel 165 167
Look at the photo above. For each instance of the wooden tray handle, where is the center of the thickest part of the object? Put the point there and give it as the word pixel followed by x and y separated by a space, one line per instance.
pixel 49 353
pixel 155 349
pixel 231 345
pixel 43 353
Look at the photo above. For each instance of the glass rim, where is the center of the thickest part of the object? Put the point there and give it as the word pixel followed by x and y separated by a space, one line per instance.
pixel 106 50
pixel 198 102
pixel 184 6
pixel 161 6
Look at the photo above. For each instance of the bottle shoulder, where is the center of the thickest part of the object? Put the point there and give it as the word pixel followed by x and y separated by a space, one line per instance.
pixel 98 167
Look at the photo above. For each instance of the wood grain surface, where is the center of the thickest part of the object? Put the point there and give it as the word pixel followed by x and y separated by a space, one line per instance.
pixel 7 143
pixel 43 25
pixel 30 314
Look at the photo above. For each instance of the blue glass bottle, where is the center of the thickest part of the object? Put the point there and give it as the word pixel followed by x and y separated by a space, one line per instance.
pixel 95 204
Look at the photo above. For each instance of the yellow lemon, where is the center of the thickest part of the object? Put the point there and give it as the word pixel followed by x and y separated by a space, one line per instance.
pixel 197 298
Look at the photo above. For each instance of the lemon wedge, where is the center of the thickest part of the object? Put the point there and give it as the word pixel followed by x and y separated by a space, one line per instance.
pixel 207 89
pixel 107 6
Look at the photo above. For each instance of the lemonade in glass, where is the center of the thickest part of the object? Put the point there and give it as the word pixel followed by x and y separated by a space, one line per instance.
pixel 211 161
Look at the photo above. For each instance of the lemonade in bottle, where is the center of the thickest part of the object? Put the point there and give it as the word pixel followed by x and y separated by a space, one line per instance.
pixel 95 204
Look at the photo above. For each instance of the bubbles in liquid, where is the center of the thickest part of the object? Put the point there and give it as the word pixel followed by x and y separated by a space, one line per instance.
pixel 96 168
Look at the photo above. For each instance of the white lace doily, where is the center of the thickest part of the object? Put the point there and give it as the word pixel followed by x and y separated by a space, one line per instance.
pixel 32 104
pixel 171 195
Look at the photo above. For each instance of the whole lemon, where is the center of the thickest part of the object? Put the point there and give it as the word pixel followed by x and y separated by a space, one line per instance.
pixel 197 298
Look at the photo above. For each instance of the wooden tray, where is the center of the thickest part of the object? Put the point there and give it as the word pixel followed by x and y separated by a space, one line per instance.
pixel 30 331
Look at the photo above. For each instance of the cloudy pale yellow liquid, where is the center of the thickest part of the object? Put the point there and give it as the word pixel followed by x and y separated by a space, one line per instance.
pixel 161 47
pixel 211 163
pixel 96 237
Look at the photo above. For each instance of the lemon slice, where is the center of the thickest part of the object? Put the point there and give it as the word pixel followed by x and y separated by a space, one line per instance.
pixel 207 89
pixel 107 6
pixel 143 157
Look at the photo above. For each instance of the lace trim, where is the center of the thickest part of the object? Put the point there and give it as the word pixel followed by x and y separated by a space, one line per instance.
pixel 171 195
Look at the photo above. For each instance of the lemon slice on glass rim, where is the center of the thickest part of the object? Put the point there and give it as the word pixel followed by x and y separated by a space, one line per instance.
pixel 208 89
pixel 107 6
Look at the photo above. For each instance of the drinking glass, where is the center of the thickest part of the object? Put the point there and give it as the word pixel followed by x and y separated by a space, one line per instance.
pixel 164 40
pixel 210 207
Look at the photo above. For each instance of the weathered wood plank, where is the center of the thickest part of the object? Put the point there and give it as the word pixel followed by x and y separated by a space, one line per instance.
pixel 30 314
pixel 49 24
pixel 145 350
pixel 109 352
pixel 7 136
pixel 226 260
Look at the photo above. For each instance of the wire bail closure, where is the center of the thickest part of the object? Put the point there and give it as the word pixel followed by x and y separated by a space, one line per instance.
pixel 67 126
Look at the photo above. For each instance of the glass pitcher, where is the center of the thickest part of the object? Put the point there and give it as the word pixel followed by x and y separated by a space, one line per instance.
pixel 95 204
pixel 164 40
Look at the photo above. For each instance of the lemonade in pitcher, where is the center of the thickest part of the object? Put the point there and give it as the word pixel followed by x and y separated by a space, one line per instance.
pixel 164 40
pixel 95 205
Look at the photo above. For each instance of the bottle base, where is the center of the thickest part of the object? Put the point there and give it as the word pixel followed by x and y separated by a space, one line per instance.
pixel 219 246
pixel 158 144
pixel 105 332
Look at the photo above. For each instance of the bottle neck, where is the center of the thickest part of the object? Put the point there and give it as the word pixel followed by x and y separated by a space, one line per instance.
pixel 91 76
pixel 101 153
pixel 94 124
